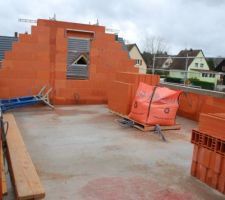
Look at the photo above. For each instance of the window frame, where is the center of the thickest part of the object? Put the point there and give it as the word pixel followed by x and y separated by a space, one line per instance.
pixel 138 61
pixel 70 68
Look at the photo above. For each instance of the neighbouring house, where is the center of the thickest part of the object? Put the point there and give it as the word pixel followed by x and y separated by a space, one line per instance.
pixel 6 43
pixel 162 61
pixel 161 64
pixel 167 62
pixel 135 54
pixel 221 69
pixel 220 66
pixel 217 61
pixel 78 61
pixel 194 62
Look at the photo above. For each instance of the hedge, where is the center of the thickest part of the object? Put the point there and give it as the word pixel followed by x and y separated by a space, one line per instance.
pixel 174 80
pixel 202 84
pixel 158 72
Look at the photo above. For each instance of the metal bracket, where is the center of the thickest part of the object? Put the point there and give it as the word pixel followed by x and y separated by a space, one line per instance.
pixel 158 131
pixel 45 96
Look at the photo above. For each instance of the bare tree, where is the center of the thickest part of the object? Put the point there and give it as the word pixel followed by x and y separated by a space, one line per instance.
pixel 155 45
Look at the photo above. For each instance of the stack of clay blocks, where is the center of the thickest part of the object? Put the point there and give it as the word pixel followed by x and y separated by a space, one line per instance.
pixel 208 162
pixel 123 90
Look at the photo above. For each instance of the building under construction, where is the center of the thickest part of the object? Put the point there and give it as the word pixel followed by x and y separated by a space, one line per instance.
pixel 79 122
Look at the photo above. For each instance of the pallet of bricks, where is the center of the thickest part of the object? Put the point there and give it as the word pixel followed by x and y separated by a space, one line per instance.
pixel 123 89
pixel 208 162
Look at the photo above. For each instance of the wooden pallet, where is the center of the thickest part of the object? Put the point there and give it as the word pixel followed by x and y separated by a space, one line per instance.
pixel 4 185
pixel 145 127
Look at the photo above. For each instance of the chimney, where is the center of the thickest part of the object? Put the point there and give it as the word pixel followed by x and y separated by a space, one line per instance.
pixel 116 37
pixel 16 34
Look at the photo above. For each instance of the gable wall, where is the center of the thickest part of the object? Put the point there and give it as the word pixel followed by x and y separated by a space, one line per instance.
pixel 40 59
pixel 199 60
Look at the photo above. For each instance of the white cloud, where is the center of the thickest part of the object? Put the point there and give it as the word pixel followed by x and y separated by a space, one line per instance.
pixel 183 23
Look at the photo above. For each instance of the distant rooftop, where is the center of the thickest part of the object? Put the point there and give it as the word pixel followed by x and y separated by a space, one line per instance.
pixel 180 63
pixel 6 44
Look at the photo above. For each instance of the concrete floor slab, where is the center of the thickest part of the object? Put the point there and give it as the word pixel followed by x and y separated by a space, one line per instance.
pixel 82 153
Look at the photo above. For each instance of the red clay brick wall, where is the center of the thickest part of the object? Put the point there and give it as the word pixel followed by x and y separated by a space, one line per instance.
pixel 191 105
pixel 26 68
pixel 41 58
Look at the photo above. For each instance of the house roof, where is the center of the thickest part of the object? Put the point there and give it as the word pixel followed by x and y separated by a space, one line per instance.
pixel 180 63
pixel 220 67
pixel 160 61
pixel 6 44
pixel 130 46
pixel 217 61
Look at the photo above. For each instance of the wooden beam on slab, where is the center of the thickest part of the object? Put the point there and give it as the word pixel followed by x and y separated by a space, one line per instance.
pixel 24 176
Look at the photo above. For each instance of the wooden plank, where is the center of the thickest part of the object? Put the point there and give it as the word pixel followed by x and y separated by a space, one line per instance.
pixel 4 184
pixel 25 178
pixel 152 128
pixel 145 127
pixel 1 164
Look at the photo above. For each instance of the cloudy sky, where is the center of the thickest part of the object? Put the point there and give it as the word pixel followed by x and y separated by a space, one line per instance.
pixel 182 23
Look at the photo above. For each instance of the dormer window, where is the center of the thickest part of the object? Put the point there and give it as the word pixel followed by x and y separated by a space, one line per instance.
pixel 81 60
pixel 78 58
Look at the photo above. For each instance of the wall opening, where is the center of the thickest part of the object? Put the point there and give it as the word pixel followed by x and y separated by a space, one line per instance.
pixel 78 58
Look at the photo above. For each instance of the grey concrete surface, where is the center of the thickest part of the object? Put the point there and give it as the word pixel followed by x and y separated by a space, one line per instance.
pixel 82 153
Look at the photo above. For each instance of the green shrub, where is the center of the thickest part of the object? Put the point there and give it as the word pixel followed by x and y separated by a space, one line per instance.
pixel 163 74
pixel 160 72
pixel 149 71
pixel 202 84
pixel 174 80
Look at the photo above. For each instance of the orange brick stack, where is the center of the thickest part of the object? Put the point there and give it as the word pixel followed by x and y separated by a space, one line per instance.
pixel 120 97
pixel 40 58
pixel 124 88
pixel 208 162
